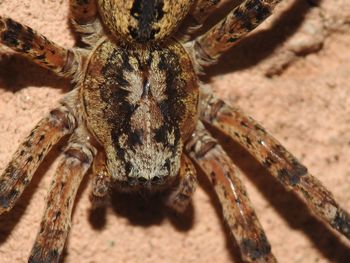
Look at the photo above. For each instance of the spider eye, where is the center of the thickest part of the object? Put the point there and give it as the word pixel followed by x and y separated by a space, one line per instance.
pixel 132 180
pixel 142 180
pixel 157 180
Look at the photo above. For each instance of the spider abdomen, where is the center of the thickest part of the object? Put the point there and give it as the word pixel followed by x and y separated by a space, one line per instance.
pixel 141 104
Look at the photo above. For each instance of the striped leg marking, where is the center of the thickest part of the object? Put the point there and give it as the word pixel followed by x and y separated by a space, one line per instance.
pixel 19 172
pixel 276 159
pixel 238 23
pixel 56 221
pixel 237 209
pixel 37 48
pixel 180 198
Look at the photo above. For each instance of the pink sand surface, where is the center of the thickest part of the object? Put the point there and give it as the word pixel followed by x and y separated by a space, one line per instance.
pixel 292 75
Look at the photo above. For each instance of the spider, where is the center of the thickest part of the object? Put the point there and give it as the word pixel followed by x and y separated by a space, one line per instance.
pixel 137 116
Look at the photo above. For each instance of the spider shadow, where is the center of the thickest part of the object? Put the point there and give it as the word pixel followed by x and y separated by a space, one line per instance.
pixel 256 47
pixel 9 220
pixel 287 204
pixel 142 209
pixel 17 72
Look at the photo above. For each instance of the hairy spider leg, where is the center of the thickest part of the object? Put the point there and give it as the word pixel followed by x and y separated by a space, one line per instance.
pixel 237 208
pixel 55 224
pixel 240 21
pixel 19 172
pixel 85 20
pixel 101 182
pixel 38 48
pixel 83 12
pixel 277 160
pixel 196 17
pixel 202 10
pixel 180 198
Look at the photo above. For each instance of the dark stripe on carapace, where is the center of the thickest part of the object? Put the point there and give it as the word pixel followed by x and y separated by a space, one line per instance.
pixel 172 108
pixel 115 96
pixel 147 13
pixel 135 137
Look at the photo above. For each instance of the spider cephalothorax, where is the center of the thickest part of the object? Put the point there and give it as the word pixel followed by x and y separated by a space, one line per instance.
pixel 137 115
pixel 142 108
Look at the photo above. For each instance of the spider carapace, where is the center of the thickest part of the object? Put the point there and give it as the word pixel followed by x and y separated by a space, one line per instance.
pixel 140 102
pixel 137 115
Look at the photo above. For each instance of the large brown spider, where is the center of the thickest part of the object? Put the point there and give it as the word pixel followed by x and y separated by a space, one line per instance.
pixel 151 70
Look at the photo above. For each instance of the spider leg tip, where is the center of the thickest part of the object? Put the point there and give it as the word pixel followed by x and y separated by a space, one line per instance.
pixel 6 200
pixel 39 255
pixel 341 222
pixel 256 249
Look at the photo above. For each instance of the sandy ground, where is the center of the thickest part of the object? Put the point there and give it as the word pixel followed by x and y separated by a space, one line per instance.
pixel 292 75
